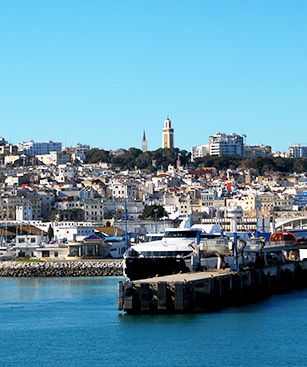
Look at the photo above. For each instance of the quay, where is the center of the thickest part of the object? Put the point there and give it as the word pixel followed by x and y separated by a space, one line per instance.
pixel 209 290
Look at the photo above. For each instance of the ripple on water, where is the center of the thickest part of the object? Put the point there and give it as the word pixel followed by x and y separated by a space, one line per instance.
pixel 74 322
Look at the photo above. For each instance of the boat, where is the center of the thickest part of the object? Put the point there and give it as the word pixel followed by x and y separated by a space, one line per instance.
pixel 173 253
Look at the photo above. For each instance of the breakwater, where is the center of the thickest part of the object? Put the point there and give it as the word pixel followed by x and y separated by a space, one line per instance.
pixel 84 268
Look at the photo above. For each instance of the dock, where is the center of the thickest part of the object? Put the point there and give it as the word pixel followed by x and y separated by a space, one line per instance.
pixel 209 290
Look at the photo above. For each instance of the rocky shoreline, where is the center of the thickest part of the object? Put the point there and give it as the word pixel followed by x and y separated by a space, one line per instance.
pixel 82 268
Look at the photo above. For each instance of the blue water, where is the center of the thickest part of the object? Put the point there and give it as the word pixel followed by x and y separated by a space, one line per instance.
pixel 74 322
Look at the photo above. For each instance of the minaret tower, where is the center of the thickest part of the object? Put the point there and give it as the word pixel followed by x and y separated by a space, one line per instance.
pixel 167 135
pixel 144 143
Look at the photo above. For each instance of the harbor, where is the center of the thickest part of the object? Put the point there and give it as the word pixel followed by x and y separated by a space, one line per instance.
pixel 200 268
pixel 153 183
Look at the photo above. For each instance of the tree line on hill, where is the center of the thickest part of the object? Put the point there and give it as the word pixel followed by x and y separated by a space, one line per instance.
pixel 135 158
pixel 161 158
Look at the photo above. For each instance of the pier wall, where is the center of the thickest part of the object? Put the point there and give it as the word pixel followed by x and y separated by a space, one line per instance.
pixel 204 291
pixel 61 268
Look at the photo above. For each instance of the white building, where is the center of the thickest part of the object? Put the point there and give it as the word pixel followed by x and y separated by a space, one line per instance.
pixel 64 172
pixel 72 231
pixel 93 211
pixel 200 151
pixel 32 148
pixel 54 158
pixel 120 189
pixel 80 152
pixel 24 212
pixel 8 159
pixel 36 246
pixel 223 144
pixel 297 151
pixel 247 202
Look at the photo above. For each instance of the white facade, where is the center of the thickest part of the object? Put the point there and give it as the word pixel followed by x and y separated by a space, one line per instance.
pixel 246 202
pixel 64 172
pixel 223 144
pixel 24 212
pixel 71 231
pixel 8 159
pixel 121 190
pixel 208 197
pixel 52 251
pixel 297 151
pixel 80 151
pixel 33 240
pixel 48 159
pixel 200 151
pixel 94 211
pixel 36 246
pixel 32 148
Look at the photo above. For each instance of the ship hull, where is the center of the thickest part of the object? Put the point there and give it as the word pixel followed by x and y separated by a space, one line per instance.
pixel 148 267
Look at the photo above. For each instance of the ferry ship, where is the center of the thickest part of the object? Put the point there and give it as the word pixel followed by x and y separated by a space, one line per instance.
pixel 172 253
pixel 193 249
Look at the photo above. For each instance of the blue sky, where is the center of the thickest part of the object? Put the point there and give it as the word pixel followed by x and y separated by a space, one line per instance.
pixel 99 72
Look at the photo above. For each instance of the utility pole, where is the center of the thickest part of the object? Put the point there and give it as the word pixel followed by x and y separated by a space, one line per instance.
pixel 126 225
pixel 156 224
pixel 257 214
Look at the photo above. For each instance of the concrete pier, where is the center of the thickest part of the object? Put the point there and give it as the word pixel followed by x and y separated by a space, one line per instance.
pixel 204 291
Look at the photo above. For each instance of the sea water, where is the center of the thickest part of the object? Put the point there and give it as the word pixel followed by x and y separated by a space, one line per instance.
pixel 75 322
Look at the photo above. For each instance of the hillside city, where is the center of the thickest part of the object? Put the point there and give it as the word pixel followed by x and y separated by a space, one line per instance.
pixel 66 202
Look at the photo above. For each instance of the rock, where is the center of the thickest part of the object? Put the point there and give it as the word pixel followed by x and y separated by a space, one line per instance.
pixel 78 268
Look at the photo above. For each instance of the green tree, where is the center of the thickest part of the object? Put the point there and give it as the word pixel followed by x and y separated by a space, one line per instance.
pixel 153 212
pixel 50 233
pixel 97 156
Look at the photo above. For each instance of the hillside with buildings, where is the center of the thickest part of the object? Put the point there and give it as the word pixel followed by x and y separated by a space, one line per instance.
pixel 75 199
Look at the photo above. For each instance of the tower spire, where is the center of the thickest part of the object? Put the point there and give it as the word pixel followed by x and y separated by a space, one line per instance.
pixel 144 142
pixel 167 134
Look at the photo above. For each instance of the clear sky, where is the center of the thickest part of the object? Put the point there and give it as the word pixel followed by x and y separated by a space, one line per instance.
pixel 99 72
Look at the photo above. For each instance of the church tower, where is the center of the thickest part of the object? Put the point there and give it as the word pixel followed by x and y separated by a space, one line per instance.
pixel 167 135
pixel 144 143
